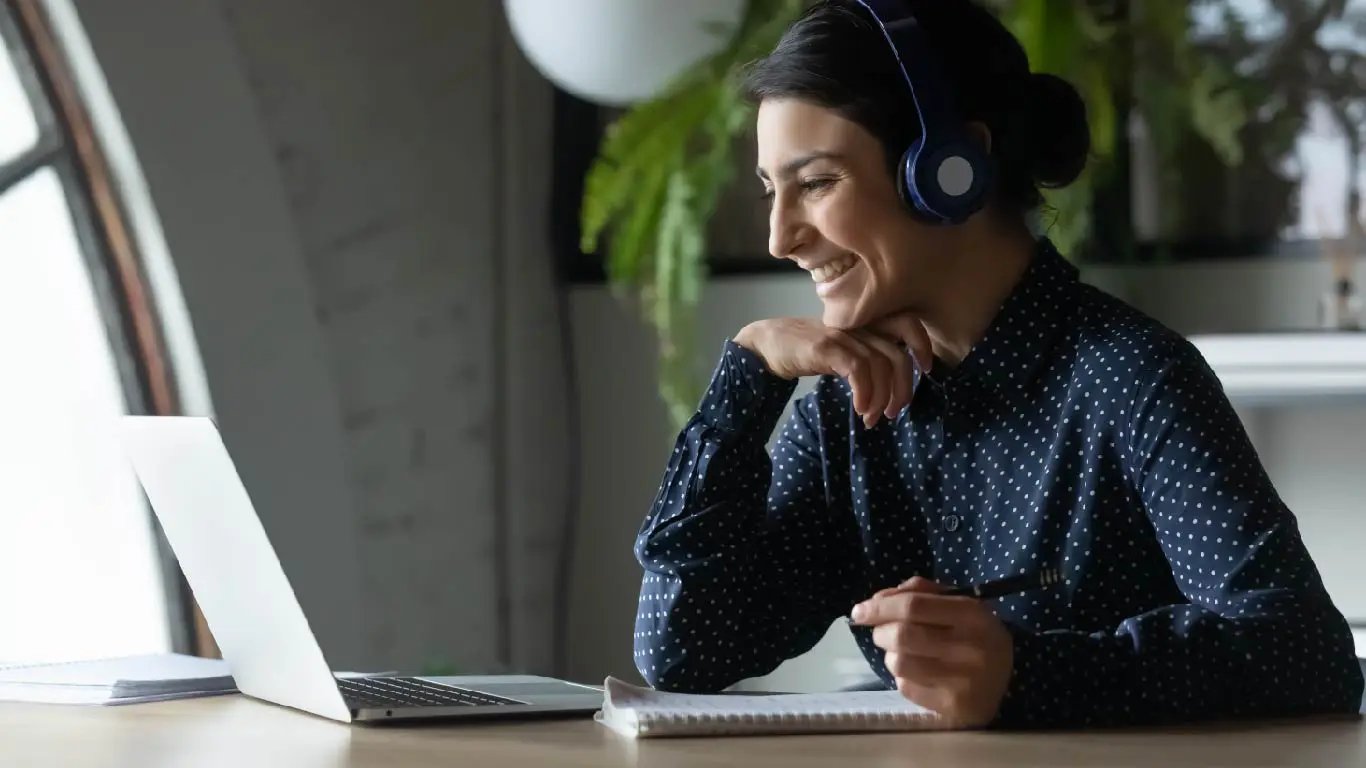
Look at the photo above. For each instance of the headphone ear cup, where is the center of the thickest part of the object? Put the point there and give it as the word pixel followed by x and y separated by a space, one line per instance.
pixel 909 188
pixel 946 182
pixel 971 196
pixel 904 178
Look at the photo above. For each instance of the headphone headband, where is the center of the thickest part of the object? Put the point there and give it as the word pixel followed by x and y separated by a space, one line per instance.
pixel 916 62
pixel 945 173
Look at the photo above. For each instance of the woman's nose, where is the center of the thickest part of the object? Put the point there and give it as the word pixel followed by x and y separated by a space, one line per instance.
pixel 786 232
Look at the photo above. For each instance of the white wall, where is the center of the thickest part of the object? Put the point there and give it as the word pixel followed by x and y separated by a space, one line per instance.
pixel 176 79
pixel 353 197
pixel 1312 453
pixel 365 112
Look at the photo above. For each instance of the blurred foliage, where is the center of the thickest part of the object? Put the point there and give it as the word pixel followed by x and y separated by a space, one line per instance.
pixel 655 182
pixel 1131 62
pixel 1297 57
pixel 663 163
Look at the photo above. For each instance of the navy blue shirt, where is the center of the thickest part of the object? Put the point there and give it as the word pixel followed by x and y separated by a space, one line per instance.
pixel 1078 433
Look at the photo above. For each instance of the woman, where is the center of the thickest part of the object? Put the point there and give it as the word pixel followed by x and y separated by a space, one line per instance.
pixel 979 413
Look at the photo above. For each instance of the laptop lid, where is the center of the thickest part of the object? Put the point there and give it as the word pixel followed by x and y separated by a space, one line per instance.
pixel 236 577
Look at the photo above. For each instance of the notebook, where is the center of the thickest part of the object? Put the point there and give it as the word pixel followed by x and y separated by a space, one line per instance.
pixel 642 712
pixel 121 680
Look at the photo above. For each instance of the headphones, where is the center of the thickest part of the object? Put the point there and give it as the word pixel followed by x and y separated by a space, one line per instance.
pixel 945 174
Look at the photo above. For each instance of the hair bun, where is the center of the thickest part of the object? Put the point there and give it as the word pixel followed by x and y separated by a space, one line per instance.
pixel 1058 128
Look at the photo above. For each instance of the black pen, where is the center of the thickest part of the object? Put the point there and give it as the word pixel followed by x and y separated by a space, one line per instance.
pixel 1008 586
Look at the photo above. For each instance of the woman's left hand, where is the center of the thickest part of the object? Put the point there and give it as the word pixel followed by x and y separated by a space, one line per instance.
pixel 949 654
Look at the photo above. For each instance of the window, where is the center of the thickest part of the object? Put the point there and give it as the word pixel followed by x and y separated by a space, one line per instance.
pixel 1299 71
pixel 83 571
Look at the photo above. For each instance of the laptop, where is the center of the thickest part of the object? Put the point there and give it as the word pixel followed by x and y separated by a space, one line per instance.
pixel 250 607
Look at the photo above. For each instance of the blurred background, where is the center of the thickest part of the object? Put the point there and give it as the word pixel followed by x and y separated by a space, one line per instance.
pixel 448 275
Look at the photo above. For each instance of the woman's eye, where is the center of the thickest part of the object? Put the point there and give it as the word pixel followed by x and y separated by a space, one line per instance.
pixel 807 186
pixel 815 185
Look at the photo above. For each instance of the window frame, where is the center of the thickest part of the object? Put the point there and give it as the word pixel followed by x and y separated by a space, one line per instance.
pixel 68 144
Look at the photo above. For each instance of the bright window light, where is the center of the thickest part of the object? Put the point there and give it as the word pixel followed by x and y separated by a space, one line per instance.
pixel 79 573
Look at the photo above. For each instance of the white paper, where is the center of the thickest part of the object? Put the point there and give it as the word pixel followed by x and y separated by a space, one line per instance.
pixel 122 680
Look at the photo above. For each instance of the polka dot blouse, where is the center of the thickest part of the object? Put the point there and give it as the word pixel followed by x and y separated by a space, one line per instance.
pixel 1079 434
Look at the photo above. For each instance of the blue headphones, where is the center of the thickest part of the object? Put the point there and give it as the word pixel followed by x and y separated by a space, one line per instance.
pixel 945 174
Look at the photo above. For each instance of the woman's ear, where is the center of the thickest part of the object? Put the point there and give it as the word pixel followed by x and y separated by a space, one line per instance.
pixel 979 131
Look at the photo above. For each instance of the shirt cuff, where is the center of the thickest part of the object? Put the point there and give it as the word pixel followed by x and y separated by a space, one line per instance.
pixel 744 396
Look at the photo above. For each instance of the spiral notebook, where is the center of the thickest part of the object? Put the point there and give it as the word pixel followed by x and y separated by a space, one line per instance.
pixel 642 712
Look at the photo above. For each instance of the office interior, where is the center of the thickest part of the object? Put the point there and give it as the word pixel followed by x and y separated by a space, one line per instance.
pixel 348 232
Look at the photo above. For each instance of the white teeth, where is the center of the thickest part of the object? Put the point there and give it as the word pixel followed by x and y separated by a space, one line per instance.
pixel 827 272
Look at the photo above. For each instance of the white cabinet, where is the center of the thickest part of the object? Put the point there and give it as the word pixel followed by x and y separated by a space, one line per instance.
pixel 1270 368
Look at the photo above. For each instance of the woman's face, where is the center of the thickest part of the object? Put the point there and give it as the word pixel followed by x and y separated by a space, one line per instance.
pixel 835 212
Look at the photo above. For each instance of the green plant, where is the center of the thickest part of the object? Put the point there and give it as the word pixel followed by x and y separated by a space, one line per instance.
pixel 662 164
pixel 1073 40
pixel 654 185
pixel 1128 59
pixel 1288 60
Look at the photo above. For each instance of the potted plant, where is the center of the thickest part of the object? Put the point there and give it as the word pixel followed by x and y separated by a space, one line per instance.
pixel 663 164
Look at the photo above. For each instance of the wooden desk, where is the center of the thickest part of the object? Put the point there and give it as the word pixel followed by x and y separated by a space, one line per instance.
pixel 240 732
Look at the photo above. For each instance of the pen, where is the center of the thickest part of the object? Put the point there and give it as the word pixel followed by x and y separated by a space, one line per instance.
pixel 1008 586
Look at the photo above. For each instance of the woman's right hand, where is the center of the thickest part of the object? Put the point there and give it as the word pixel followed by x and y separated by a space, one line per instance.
pixel 878 361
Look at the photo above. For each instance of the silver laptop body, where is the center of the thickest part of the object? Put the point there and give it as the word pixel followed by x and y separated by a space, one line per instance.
pixel 250 607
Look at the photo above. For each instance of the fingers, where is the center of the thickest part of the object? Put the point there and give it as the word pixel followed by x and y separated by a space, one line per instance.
pixel 848 359
pixel 867 371
pixel 908 330
pixel 880 375
pixel 950 648
pixel 950 654
pixel 921 670
pixel 928 696
pixel 901 378
pixel 930 684
pixel 915 639
pixel 918 607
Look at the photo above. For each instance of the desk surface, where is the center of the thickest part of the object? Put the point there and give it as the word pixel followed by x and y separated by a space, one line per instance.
pixel 236 731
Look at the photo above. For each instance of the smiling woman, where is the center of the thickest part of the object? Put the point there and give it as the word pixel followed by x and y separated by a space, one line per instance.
pixel 979 414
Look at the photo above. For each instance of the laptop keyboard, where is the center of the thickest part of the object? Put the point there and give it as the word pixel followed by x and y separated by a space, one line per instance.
pixel 412 692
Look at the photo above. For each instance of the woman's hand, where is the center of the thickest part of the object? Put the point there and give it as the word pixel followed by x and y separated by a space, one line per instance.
pixel 949 654
pixel 878 361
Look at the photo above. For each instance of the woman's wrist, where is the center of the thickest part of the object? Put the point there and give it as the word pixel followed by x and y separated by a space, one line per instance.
pixel 748 339
pixel 745 338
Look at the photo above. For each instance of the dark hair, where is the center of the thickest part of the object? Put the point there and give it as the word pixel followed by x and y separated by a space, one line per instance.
pixel 835 56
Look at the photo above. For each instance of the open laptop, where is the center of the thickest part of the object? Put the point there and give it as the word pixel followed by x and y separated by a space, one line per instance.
pixel 254 615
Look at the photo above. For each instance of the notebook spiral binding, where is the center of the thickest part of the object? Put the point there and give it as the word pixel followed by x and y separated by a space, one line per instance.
pixel 664 723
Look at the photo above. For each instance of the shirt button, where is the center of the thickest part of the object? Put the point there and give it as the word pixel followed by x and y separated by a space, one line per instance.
pixel 951 523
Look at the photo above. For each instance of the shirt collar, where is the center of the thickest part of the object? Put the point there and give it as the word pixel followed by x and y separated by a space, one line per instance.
pixel 1008 356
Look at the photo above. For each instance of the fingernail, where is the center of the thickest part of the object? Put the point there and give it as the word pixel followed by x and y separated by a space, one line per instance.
pixel 858 613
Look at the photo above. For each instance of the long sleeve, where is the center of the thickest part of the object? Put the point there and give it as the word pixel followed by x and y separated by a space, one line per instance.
pixel 744 565
pixel 1258 634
